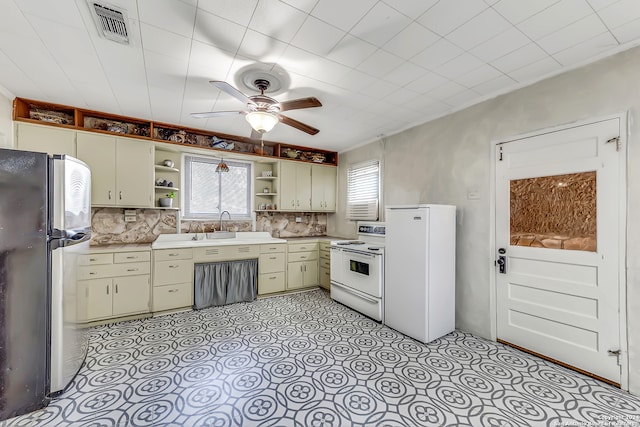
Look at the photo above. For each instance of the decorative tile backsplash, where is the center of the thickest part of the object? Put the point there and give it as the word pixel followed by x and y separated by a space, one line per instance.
pixel 109 227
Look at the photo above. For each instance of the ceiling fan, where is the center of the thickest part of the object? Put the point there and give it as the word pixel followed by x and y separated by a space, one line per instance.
pixel 263 112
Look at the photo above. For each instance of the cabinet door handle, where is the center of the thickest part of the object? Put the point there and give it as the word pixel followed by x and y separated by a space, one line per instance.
pixel 92 259
pixel 174 266
pixel 172 291
pixel 272 257
pixel 109 194
pixel 92 273
pixel 303 257
pixel 132 269
pixel 120 195
pixel 116 288
pixel 107 289
pixel 293 203
pixel 272 278
pixel 305 267
pixel 173 254
pixel 132 257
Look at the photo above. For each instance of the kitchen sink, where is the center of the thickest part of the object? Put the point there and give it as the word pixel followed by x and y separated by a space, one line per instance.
pixel 222 235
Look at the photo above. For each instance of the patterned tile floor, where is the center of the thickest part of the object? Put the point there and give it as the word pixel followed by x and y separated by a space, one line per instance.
pixel 304 360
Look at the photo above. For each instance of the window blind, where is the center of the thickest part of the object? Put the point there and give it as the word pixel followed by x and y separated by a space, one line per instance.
pixel 363 187
pixel 207 193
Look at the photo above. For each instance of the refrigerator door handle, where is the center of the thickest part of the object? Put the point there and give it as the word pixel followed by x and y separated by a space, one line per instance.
pixel 62 238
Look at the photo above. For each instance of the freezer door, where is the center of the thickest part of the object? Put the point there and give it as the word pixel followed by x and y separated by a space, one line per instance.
pixel 24 283
pixel 70 235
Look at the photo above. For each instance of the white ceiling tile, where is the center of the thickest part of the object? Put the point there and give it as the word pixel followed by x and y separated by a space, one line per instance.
pixel 404 43
pixel 380 63
pixel 277 20
pixel 572 34
pixel 627 32
pixel 342 14
pixel 380 24
pixel 355 81
pixel 480 75
pixel 13 23
pixel 316 67
pixel 535 71
pixel 479 29
pixel 208 63
pixel 258 47
pixel 517 11
pixel 379 89
pixel 599 4
pixel 620 13
pixel 500 84
pixel 304 5
pixel 588 49
pixel 175 16
pixel 164 71
pixel 412 9
pixel 459 65
pixel 157 40
pixel 401 95
pixel 500 45
pixel 491 2
pixel 448 15
pixel 446 90
pixel 427 82
pixel 555 17
pixel 463 98
pixel 519 58
pixel 317 37
pixel 64 12
pixel 15 78
pixel 437 54
pixel 351 51
pixel 239 12
pixel 405 74
pixel 218 32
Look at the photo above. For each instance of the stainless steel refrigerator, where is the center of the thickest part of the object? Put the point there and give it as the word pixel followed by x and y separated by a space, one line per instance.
pixel 45 226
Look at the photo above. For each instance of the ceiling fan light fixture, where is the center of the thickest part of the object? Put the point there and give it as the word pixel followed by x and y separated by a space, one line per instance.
pixel 262 121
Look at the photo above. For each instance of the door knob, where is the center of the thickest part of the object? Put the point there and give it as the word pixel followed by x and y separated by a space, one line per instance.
pixel 502 261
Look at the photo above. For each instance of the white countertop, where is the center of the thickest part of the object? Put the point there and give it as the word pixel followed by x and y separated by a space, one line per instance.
pixel 122 247
pixel 171 241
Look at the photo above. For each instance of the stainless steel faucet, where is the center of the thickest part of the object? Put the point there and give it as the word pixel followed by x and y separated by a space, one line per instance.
pixel 223 212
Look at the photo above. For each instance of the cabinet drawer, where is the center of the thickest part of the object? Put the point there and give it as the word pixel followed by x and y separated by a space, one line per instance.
pixel 123 257
pixel 270 282
pixel 270 263
pixel 273 248
pixel 324 263
pixel 175 271
pixel 325 255
pixel 302 247
pixel 172 296
pixel 324 246
pixel 303 256
pixel 225 253
pixel 113 270
pixel 171 254
pixel 325 277
pixel 95 259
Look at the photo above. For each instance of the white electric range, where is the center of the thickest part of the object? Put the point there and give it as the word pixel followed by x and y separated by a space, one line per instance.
pixel 357 270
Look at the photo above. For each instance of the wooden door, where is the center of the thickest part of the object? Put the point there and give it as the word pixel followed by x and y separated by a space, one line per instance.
pixel 557 222
pixel 134 173
pixel 99 153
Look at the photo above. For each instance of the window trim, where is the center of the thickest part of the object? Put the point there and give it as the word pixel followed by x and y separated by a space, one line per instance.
pixel 187 159
pixel 367 209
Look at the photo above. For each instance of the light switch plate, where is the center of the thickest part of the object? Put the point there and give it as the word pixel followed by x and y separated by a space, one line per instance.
pixel 298 219
pixel 129 212
pixel 473 195
pixel 129 218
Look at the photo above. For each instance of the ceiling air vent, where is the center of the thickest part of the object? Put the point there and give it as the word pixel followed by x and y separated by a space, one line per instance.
pixel 111 22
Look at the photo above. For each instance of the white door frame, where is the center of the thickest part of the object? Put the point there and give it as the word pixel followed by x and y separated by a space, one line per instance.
pixel 622 232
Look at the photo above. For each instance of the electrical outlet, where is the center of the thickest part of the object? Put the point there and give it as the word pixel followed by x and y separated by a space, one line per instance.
pixel 129 218
pixel 298 219
pixel 129 212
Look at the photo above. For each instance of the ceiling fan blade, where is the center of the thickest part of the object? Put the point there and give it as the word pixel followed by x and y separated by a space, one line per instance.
pixel 298 125
pixel 226 87
pixel 297 104
pixel 216 114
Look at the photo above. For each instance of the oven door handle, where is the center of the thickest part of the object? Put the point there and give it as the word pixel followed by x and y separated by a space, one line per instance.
pixel 361 253
pixel 360 295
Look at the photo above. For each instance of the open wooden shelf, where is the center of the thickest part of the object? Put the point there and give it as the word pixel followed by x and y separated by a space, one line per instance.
pixel 26 110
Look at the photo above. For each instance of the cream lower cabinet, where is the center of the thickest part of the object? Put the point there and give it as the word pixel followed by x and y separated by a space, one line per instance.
pixel 121 169
pixel 45 139
pixel 172 279
pixel 325 265
pixel 113 285
pixel 271 268
pixel 302 265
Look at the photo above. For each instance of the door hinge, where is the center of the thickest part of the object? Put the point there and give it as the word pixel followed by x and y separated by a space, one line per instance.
pixel 617 141
pixel 617 354
pixel 499 154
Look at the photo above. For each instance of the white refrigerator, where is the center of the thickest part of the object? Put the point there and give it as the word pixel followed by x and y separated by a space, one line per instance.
pixel 420 263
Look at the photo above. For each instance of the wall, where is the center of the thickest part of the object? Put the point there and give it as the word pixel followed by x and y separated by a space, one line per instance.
pixel 440 161
pixel 6 125
pixel 109 227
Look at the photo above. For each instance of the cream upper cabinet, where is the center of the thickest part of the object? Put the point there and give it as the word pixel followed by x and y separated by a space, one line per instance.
pixel 121 170
pixel 295 186
pixel 45 139
pixel 323 188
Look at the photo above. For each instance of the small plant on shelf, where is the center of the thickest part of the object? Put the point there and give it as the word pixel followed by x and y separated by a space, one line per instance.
pixel 171 195
pixel 167 200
